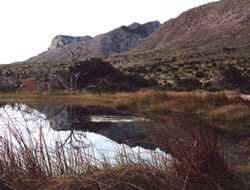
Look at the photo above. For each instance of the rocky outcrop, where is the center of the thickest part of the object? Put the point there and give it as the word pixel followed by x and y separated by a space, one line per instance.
pixel 62 40
pixel 119 40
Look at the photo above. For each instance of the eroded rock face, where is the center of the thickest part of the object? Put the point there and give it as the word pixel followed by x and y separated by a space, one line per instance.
pixel 62 40
pixel 118 40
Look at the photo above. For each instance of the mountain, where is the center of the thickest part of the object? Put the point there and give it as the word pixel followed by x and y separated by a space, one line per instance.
pixel 62 40
pixel 205 47
pixel 226 22
pixel 119 40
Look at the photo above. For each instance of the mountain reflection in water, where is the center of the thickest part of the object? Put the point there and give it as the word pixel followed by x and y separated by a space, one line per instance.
pixel 100 127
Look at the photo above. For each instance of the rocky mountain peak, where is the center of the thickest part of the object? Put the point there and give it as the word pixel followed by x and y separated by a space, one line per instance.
pixel 134 25
pixel 142 29
pixel 118 40
pixel 62 40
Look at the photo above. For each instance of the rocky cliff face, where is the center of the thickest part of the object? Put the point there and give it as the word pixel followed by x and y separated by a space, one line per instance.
pixel 62 40
pixel 119 40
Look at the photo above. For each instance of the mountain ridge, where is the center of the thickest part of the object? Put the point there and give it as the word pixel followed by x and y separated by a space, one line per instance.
pixel 118 40
pixel 215 23
pixel 196 50
pixel 207 47
pixel 62 40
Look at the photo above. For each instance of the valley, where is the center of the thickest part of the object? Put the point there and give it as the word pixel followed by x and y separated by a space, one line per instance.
pixel 149 106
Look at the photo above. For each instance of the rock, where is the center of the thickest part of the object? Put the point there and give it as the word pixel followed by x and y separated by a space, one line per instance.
pixel 178 47
pixel 62 40
pixel 118 40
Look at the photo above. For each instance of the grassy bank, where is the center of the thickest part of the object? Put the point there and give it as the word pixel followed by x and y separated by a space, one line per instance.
pixel 223 108
pixel 132 99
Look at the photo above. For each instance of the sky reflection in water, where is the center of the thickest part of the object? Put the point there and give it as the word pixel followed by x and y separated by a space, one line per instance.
pixel 31 124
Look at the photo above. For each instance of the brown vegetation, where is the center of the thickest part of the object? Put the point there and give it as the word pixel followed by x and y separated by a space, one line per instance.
pixel 198 158
pixel 196 163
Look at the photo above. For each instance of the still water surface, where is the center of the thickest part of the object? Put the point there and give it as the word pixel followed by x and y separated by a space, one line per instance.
pixel 102 132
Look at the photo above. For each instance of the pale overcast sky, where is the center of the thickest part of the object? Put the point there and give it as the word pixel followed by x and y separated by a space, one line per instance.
pixel 27 26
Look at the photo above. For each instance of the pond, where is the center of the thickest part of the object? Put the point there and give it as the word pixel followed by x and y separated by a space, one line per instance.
pixel 100 131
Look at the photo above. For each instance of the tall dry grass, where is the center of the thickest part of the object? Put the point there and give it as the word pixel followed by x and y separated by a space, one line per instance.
pixel 29 163
pixel 197 162
pixel 199 154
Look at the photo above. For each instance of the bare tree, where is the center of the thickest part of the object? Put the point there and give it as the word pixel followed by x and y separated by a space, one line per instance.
pixel 74 55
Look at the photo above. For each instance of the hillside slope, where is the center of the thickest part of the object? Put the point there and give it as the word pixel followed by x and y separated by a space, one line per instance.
pixel 226 22
pixel 205 47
